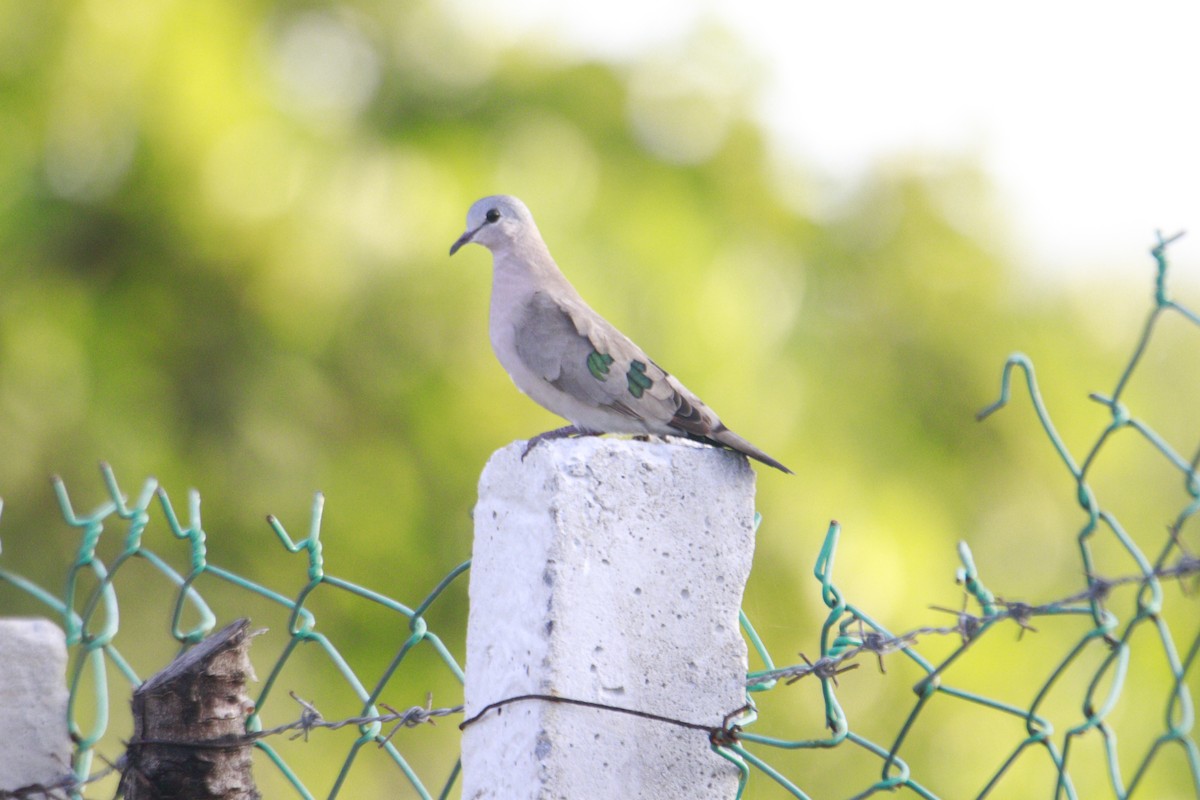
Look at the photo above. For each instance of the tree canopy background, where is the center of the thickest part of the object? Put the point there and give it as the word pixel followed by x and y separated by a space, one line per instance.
pixel 223 238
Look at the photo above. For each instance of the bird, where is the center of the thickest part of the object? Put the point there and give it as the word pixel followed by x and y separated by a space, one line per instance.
pixel 568 358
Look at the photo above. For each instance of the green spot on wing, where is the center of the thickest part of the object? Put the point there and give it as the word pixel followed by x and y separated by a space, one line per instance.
pixel 638 382
pixel 597 364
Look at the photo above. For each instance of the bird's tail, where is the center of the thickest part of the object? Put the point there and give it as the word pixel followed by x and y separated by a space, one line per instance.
pixel 727 438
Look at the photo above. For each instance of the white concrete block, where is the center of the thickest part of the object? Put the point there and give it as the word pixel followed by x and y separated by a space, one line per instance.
pixel 35 747
pixel 609 571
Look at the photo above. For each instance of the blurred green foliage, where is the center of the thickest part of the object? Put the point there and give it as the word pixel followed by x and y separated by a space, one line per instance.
pixel 223 236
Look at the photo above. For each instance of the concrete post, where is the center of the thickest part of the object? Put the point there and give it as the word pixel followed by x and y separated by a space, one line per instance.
pixel 35 748
pixel 609 571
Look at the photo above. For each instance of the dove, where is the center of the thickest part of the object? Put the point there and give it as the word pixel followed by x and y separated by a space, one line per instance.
pixel 569 359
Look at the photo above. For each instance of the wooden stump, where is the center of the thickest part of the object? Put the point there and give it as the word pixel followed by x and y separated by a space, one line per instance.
pixel 189 725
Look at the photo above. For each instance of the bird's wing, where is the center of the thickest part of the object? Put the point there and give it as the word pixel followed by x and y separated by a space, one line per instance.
pixel 580 353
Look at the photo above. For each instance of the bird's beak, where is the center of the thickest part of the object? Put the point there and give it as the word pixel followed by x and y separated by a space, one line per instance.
pixel 464 239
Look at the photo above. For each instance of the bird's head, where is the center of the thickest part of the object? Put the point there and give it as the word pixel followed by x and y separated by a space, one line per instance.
pixel 495 222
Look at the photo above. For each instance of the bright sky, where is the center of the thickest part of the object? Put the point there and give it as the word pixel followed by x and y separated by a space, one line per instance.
pixel 1086 115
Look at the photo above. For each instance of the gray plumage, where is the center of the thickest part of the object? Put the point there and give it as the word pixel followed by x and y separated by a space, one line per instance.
pixel 567 357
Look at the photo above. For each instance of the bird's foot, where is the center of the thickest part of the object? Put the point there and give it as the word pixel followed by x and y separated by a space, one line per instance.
pixel 557 433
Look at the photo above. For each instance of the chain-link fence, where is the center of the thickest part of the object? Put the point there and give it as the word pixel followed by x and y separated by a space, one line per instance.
pixel 1130 650
pixel 1125 640
pixel 90 611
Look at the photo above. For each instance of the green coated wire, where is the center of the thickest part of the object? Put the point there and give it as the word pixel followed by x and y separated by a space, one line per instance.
pixel 1107 684
pixel 93 629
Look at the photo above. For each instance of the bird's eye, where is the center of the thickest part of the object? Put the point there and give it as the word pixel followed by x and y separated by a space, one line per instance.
pixel 493 215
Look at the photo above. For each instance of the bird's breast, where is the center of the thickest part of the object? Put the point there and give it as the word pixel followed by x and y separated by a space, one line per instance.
pixel 504 319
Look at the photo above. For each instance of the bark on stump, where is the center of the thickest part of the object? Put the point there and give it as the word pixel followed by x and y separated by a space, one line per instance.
pixel 189 725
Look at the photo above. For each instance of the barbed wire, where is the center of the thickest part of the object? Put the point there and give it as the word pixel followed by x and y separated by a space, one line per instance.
pixel 967 625
pixel 311 720
pixel 68 783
